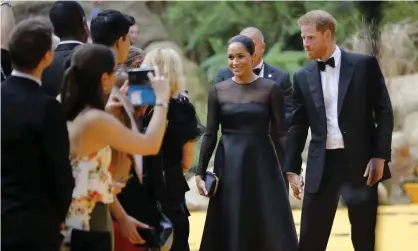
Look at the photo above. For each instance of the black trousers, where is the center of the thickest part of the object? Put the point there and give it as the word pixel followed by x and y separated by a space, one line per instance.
pixel 179 216
pixel 318 209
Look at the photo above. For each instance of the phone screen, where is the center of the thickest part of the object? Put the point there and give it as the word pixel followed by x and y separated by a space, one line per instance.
pixel 140 91
pixel 141 95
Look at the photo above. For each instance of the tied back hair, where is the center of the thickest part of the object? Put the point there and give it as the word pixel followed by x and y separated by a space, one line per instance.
pixel 82 86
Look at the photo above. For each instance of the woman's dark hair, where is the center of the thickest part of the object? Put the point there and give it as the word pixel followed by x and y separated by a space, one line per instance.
pixel 82 85
pixel 244 40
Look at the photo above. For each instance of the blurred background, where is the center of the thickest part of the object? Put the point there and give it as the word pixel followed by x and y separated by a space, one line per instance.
pixel 200 30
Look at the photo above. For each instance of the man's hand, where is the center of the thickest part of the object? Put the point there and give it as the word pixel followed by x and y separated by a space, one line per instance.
pixel 374 171
pixel 128 226
pixel 296 185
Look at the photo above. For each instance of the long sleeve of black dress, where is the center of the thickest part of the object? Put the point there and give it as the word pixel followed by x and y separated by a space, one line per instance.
pixel 211 135
pixel 278 128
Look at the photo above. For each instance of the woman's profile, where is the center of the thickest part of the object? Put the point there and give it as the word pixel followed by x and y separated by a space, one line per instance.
pixel 251 209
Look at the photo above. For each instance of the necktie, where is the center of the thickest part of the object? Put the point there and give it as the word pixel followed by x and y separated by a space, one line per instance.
pixel 257 71
pixel 322 64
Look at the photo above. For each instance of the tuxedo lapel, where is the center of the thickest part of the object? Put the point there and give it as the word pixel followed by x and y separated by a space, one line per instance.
pixel 315 86
pixel 346 72
pixel 268 72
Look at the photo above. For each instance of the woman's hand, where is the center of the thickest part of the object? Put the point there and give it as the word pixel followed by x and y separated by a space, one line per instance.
pixel 128 226
pixel 161 87
pixel 200 183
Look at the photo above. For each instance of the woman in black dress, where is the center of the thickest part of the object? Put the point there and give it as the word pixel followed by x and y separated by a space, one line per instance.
pixel 251 210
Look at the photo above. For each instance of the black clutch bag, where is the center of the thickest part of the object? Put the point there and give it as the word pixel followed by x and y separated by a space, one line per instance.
pixel 211 183
pixel 161 236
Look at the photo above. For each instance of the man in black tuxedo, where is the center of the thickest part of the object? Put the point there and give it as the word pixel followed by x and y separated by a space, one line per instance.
pixel 343 99
pixel 69 21
pixel 36 179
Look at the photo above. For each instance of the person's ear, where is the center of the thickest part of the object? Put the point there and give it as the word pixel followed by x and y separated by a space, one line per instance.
pixel 328 35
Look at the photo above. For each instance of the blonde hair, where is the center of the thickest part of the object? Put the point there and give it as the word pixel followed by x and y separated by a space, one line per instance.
pixel 321 19
pixel 7 24
pixel 169 64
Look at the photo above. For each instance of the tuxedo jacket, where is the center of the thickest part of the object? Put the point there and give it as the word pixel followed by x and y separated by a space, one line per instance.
pixel 279 76
pixel 365 118
pixel 53 75
pixel 36 176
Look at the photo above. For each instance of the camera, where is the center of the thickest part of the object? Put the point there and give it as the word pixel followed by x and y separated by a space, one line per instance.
pixel 140 91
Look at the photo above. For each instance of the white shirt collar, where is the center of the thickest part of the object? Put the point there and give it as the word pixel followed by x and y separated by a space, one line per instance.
pixel 70 42
pixel 27 76
pixel 259 65
pixel 337 56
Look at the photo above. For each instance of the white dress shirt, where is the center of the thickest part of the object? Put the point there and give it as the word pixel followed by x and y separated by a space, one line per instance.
pixel 330 79
pixel 70 42
pixel 27 76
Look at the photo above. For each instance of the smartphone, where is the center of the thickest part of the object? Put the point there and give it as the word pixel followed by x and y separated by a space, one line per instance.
pixel 140 91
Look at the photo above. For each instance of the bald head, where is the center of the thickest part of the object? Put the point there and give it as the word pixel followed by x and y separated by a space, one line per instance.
pixel 253 32
pixel 257 36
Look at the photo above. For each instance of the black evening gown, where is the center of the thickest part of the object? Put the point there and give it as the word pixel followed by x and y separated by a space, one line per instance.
pixel 251 210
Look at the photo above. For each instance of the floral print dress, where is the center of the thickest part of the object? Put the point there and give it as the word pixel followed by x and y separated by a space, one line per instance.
pixel 93 183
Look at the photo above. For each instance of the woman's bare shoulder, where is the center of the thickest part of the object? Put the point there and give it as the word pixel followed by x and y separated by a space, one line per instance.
pixel 97 117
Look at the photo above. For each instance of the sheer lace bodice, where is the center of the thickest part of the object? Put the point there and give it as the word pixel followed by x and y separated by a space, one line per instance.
pixel 262 93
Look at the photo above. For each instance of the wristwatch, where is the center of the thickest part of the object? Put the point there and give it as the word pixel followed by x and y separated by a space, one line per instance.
pixel 161 104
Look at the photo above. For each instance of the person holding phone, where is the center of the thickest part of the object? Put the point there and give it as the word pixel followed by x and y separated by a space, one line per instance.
pixel 93 131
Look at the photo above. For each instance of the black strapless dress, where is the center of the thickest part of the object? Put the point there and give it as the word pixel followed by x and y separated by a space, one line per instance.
pixel 251 210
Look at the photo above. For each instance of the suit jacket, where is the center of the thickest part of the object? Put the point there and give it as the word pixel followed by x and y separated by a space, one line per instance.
pixel 36 180
pixel 53 75
pixel 277 75
pixel 6 64
pixel 365 118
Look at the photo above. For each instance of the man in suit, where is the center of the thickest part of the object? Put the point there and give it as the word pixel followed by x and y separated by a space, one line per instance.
pixel 36 180
pixel 69 21
pixel 263 69
pixel 342 98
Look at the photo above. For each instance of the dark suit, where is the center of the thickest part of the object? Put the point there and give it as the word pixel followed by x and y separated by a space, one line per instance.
pixel 280 77
pixel 53 75
pixel 36 179
pixel 365 120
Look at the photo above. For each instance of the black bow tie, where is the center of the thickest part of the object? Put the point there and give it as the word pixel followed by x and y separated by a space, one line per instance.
pixel 322 64
pixel 257 71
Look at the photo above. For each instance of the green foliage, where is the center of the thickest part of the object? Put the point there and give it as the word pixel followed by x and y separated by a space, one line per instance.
pixel 203 29
pixel 396 11
pixel 289 60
